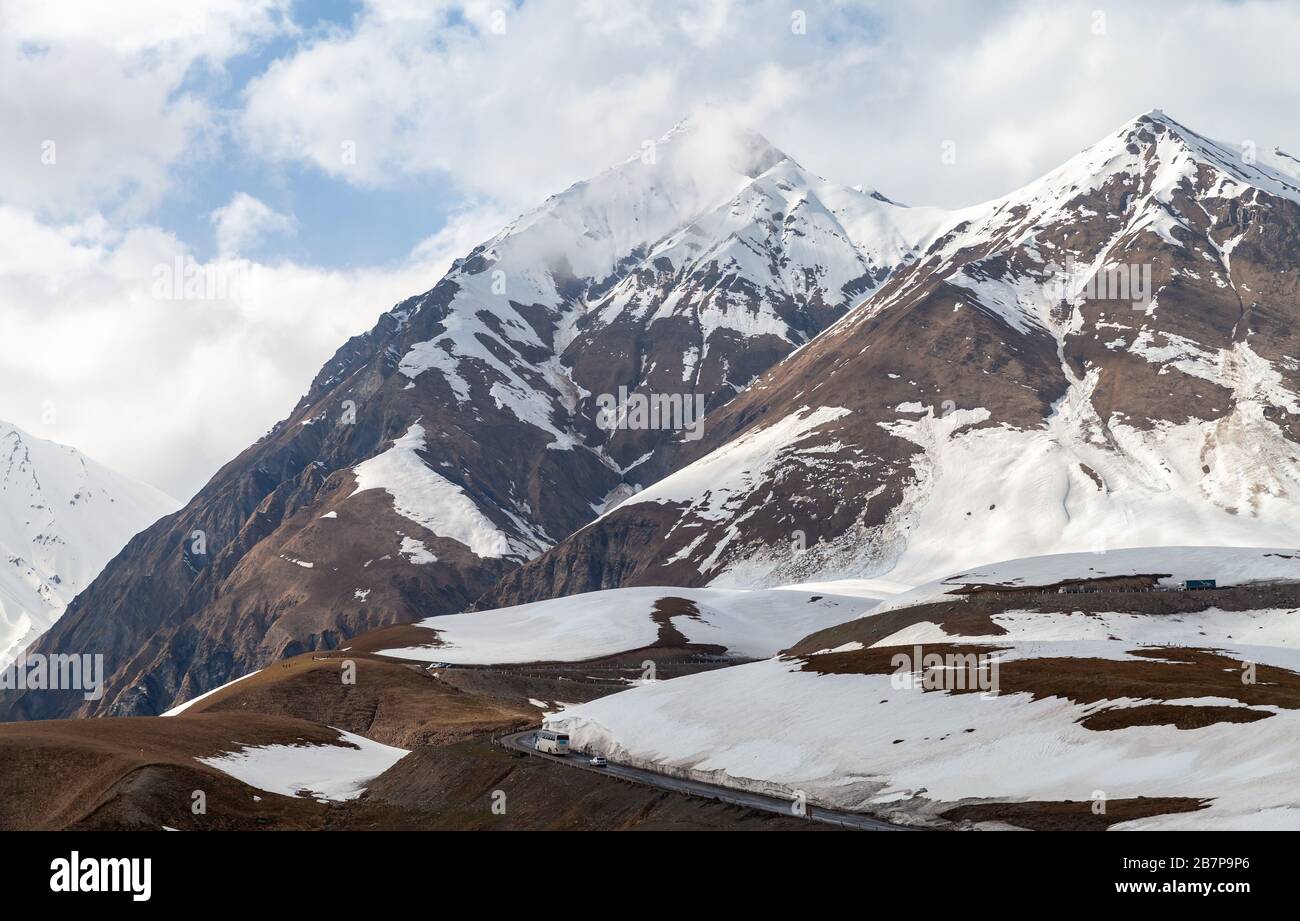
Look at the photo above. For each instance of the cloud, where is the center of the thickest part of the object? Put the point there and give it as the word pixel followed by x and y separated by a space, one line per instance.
pixel 93 95
pixel 245 222
pixel 168 387
pixel 868 93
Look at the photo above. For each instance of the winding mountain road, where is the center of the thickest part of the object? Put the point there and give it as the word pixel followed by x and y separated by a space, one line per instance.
pixel 526 742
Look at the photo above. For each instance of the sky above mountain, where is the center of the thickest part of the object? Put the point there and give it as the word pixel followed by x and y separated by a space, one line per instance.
pixel 347 151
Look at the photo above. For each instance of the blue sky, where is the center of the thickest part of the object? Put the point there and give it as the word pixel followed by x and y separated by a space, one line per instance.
pixel 338 223
pixel 144 130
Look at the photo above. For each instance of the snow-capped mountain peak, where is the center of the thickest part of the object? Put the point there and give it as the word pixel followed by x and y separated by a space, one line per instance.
pixel 711 230
pixel 594 225
pixel 62 517
pixel 1109 350
pixel 1151 184
pixel 1161 156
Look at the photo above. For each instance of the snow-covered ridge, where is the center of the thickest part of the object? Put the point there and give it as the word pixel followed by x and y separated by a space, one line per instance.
pixel 596 223
pixel 705 199
pixel 62 518
pixel 748 624
pixel 1154 155
pixel 587 232
pixel 832 240
pixel 1154 158
pixel 1178 153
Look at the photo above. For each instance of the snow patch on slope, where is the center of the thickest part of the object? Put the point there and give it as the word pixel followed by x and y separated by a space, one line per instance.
pixel 715 484
pixel 432 501
pixel 329 773
pixel 597 624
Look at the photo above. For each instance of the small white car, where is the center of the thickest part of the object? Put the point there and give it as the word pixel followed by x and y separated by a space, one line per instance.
pixel 597 761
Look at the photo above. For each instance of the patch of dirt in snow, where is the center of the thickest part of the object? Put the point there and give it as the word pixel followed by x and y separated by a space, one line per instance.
pixel 1069 815
pixel 1189 716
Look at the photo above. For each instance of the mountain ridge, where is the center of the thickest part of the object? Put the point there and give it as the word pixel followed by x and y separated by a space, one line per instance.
pixel 296 544
pixel 978 370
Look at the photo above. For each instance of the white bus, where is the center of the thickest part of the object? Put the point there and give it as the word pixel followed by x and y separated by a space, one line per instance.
pixel 555 743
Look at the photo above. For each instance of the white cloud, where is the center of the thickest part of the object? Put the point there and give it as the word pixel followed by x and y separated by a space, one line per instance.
pixel 169 390
pixel 245 222
pixel 92 95
pixel 868 95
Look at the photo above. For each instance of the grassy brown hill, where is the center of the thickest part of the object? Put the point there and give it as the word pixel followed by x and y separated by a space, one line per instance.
pixel 140 773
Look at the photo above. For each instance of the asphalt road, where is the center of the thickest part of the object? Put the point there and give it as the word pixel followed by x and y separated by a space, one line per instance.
pixel 525 742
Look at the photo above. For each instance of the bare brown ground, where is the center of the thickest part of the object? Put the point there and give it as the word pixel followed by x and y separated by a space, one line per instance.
pixel 1158 673
pixel 396 636
pixel 973 616
pixel 141 772
pixel 1067 815
pixel 958 619
pixel 878 660
pixel 397 704
pixel 1168 673
pixel 1105 584
pixel 1180 717
pixel 665 610
pixel 451 787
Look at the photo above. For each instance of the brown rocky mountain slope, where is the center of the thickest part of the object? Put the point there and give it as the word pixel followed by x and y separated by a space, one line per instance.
pixel 460 437
pixel 1107 355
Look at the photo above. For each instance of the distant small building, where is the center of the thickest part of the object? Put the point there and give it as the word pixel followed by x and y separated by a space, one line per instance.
pixel 1191 585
